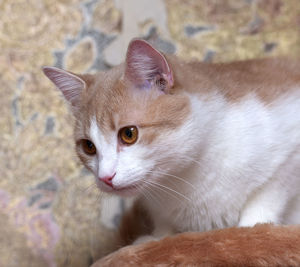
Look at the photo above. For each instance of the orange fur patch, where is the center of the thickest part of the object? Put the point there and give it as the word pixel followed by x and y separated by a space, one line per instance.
pixel 265 78
pixel 260 246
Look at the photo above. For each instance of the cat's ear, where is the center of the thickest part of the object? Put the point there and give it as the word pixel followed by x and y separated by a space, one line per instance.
pixel 145 66
pixel 68 83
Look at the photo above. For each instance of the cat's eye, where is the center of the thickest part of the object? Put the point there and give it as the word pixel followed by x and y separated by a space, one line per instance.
pixel 88 147
pixel 128 135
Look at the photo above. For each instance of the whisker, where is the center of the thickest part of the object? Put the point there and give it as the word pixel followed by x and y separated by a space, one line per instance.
pixel 152 194
pixel 171 175
pixel 100 197
pixel 145 195
pixel 193 160
pixel 88 188
pixel 166 187
pixel 154 186
pixel 148 193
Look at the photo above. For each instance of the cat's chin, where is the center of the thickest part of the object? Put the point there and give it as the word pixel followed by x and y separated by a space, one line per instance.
pixel 126 191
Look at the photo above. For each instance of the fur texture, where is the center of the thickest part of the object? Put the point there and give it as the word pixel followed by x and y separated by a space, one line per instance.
pixel 218 144
pixel 259 246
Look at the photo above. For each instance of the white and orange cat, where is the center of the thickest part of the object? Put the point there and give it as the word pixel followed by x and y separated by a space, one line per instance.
pixel 203 145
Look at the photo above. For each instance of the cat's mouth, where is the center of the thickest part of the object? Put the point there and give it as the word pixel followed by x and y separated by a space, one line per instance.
pixel 129 190
pixel 120 189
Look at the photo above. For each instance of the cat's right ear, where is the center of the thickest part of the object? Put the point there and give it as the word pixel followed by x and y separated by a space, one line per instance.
pixel 68 83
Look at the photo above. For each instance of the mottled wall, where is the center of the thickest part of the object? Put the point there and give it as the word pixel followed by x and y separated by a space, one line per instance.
pixel 49 212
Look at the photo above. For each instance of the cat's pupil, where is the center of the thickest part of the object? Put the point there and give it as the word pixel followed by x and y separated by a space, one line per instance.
pixel 89 144
pixel 128 133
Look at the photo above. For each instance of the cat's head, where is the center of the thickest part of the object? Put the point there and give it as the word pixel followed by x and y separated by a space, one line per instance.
pixel 131 124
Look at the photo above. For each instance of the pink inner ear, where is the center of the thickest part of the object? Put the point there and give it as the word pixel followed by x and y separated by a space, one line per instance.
pixel 69 84
pixel 145 64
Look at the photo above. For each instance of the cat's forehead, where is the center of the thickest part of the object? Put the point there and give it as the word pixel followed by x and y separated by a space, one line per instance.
pixel 102 101
pixel 115 103
pixel 120 105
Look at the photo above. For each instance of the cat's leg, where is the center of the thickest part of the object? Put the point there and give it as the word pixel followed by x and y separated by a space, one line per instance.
pixel 270 202
pixel 160 231
pixel 264 206
pixel 292 212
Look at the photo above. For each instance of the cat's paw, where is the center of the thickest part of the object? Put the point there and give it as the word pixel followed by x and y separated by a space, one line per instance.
pixel 145 239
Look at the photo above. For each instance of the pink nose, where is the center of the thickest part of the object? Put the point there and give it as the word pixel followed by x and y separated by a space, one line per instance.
pixel 107 179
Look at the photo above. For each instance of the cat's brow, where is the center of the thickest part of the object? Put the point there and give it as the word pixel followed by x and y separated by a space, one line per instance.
pixel 157 124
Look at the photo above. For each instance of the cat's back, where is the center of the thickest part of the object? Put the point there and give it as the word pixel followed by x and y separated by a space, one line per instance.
pixel 267 78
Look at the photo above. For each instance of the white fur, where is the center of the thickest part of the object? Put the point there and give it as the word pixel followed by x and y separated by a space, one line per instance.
pixel 248 168
pixel 229 164
pixel 106 161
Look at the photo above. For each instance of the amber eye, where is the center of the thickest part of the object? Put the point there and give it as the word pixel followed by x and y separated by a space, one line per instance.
pixel 128 135
pixel 88 147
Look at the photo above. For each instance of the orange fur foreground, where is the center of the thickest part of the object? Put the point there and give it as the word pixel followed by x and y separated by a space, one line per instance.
pixel 262 245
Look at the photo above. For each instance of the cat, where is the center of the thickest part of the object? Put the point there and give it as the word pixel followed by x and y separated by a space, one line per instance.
pixel 203 146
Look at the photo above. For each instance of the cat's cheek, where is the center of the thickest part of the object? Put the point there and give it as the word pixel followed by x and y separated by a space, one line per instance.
pixel 89 163
pixel 120 147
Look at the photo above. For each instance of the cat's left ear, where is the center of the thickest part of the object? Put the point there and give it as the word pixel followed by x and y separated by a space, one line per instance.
pixel 70 84
pixel 146 67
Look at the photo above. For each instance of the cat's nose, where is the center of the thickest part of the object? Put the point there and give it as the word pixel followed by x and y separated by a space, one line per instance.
pixel 107 179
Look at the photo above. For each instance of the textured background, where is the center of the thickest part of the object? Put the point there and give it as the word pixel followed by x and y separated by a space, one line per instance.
pixel 49 210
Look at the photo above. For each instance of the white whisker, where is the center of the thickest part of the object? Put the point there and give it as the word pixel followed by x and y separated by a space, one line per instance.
pixel 155 186
pixel 171 175
pixel 151 194
pixel 166 187
pixel 88 188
